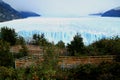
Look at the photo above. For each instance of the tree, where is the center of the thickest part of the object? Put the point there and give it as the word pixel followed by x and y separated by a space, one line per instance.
pixel 76 46
pixel 106 46
pixel 6 58
pixel 36 38
pixel 61 44
pixel 39 40
pixel 20 40
pixel 8 34
pixel 24 50
pixel 50 63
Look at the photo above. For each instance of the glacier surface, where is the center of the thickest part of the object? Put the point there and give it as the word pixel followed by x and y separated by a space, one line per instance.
pixel 56 29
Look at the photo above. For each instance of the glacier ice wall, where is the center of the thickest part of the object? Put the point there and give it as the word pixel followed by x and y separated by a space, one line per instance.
pixel 56 29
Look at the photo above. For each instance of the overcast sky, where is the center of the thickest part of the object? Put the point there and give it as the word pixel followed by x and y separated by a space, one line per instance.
pixel 63 8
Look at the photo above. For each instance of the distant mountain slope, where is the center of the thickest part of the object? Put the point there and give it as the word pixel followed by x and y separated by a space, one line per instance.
pixel 8 13
pixel 28 14
pixel 96 14
pixel 112 13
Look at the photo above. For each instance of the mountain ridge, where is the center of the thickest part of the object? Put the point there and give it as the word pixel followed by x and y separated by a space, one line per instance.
pixel 26 14
pixel 112 13
pixel 8 13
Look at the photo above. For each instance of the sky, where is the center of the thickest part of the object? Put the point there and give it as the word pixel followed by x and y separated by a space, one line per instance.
pixel 64 8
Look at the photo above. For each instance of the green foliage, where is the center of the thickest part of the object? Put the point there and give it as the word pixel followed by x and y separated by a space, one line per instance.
pixel 50 63
pixel 8 35
pixel 103 71
pixel 4 46
pixel 60 45
pixel 36 38
pixel 7 74
pixel 48 68
pixel 105 47
pixel 40 40
pixel 84 72
pixel 109 71
pixel 76 46
pixel 24 50
pixel 22 53
pixel 6 58
pixel 20 40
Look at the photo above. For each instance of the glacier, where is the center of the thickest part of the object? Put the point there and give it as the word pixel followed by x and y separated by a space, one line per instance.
pixel 56 29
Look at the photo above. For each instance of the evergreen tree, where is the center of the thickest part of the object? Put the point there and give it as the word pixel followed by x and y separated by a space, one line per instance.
pixel 6 58
pixel 76 46
pixel 61 44
pixel 8 34
pixel 24 50
pixel 39 40
pixel 20 40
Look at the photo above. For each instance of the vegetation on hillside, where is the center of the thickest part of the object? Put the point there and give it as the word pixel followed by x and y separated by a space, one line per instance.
pixel 106 46
pixel 48 68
